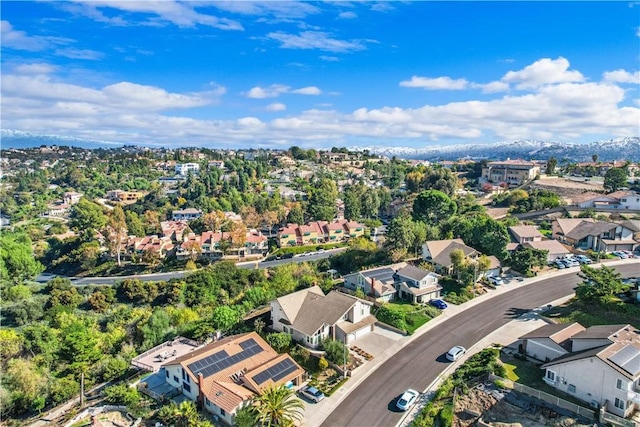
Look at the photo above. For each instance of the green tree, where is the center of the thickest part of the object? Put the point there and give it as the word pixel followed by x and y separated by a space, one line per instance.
pixel 247 416
pixel 116 232
pixel 433 206
pixel 62 293
pixel 280 341
pixel 352 203
pixel 400 233
pixel 10 343
pixel 86 218
pixel 322 202
pixel 552 164
pixel 599 284
pixel 458 260
pixel 135 224
pixel 17 262
pixel 296 215
pixel 615 178
pixel 525 259
pixel 156 329
pixel 370 203
pixel 278 406
pixel 225 317
pixel 80 345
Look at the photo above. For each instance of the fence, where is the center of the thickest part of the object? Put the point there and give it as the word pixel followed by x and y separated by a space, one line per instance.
pixel 588 413
pixel 606 417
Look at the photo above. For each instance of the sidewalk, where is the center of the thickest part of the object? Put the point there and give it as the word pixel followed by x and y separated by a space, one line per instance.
pixel 504 335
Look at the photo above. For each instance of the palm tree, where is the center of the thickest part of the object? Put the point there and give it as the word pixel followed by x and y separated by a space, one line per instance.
pixel 278 407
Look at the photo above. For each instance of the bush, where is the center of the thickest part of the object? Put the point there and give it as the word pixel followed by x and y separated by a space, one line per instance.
pixel 446 415
pixel 280 341
pixel 335 350
pixel 323 364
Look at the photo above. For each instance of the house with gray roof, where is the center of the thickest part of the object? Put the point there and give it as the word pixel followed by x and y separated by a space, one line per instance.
pixel 600 364
pixel 378 283
pixel 587 233
pixel 438 253
pixel 310 316
pixel 417 285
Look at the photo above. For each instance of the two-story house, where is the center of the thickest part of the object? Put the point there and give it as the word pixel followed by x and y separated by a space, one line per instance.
pixel 528 236
pixel 225 375
pixel 610 354
pixel 417 285
pixel 186 168
pixel 311 316
pixel 186 214
pixel 513 172
pixel 590 234
pixel 378 283
pixel 438 253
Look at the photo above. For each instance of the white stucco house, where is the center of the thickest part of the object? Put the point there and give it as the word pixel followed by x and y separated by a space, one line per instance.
pixel 599 365
pixel 311 316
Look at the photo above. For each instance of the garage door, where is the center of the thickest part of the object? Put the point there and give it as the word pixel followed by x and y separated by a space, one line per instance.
pixel 362 332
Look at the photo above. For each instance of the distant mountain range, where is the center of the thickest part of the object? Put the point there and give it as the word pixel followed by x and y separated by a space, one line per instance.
pixel 607 150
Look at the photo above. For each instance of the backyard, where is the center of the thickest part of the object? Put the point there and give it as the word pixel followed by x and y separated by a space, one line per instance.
pixel 614 312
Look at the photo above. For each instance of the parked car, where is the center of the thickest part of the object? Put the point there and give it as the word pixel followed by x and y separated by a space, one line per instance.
pixel 568 262
pixel 438 303
pixel 320 251
pixel 559 264
pixel 455 353
pixel 407 399
pixel 583 259
pixel 620 254
pixel 312 393
pixel 496 280
pixel 629 254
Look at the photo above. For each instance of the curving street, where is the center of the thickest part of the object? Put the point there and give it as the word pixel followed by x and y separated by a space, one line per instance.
pixel 419 363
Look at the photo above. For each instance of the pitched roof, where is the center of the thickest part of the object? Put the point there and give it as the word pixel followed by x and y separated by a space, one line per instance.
pixel 600 332
pixel 632 224
pixel 568 224
pixel 590 229
pixel 229 367
pixel 525 231
pixel 413 272
pixel 557 332
pixel 292 303
pixel 440 250
pixel 553 246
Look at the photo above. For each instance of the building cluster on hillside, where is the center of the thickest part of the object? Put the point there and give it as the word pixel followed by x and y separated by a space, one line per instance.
pixel 319 232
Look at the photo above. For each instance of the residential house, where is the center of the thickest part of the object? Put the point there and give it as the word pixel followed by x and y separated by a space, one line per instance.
pixel 513 172
pixel 184 169
pixel 590 234
pixel 335 231
pixel 124 196
pixel 285 161
pixel 71 197
pixel 174 230
pixel 438 253
pixel 555 248
pixel 354 229
pixel 319 232
pixel 58 209
pixel 610 354
pixel 417 285
pixel 216 164
pixel 186 214
pixel 634 226
pixel 525 233
pixel 311 316
pixel 225 375
pixel 378 283
pixel 209 245
pixel 549 342
pixel 287 236
pixel 495 267
pixel 619 200
pixel 160 246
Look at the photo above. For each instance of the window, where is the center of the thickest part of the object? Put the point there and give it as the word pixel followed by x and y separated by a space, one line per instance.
pixel 621 385
pixel 222 412
pixel 166 373
pixel 571 388
pixel 207 402
pixel 184 374
pixel 619 403
pixel 175 379
pixel 550 376
pixel 187 387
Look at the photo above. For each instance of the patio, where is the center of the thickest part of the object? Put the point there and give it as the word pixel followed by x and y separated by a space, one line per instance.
pixel 153 359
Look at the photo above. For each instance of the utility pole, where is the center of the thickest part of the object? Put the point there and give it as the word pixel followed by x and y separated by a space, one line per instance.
pixel 81 390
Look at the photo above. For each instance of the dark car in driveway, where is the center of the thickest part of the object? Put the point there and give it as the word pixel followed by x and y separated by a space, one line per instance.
pixel 438 303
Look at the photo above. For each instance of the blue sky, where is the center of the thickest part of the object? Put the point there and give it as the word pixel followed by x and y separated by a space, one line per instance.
pixel 277 74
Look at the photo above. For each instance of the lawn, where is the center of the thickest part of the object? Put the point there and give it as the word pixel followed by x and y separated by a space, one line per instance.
pixel 589 314
pixel 410 316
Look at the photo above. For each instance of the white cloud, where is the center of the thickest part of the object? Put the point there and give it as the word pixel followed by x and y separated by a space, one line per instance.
pixel 15 39
pixel 543 71
pixel 79 53
pixel 131 112
pixel 276 106
pixel 329 58
pixel 436 83
pixel 316 40
pixel 347 15
pixel 309 90
pixel 277 9
pixel 276 90
pixel 622 76
pixel 181 14
pixel 35 68
pixel 492 87
pixel 382 6
pixel 272 91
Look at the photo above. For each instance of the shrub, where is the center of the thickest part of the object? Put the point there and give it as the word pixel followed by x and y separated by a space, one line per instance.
pixel 446 415
pixel 323 364
pixel 335 350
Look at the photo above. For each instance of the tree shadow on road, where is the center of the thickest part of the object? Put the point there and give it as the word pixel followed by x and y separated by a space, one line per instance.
pixel 514 313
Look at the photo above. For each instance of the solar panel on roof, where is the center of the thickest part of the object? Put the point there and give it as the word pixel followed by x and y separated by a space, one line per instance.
pixel 221 360
pixel 248 343
pixel 275 372
pixel 628 358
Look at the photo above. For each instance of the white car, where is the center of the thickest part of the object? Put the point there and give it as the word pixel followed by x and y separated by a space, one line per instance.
pixel 407 399
pixel 312 393
pixel 620 254
pixel 455 353
pixel 496 280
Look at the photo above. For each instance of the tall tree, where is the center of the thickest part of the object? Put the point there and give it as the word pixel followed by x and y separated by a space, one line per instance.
pixel 86 218
pixel 615 178
pixel 213 220
pixel 322 202
pixel 594 158
pixel 458 260
pixel 433 206
pixel 352 203
pixel 552 164
pixel 599 284
pixel 278 406
pixel 17 262
pixel 116 232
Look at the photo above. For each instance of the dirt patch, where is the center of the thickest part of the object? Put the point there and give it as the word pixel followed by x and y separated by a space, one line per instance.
pixel 567 187
pixel 501 408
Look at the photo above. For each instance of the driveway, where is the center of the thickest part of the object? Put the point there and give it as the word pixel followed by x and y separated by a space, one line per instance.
pixel 378 341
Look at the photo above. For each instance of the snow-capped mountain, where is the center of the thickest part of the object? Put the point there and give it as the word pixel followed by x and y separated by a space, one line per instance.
pixel 610 149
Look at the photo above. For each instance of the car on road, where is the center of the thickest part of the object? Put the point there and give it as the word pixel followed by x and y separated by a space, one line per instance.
pixel 407 399
pixel 438 303
pixel 320 251
pixel 311 393
pixel 455 353
pixel 287 256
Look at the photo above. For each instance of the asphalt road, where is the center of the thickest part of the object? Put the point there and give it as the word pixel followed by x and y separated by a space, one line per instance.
pixel 43 278
pixel 418 364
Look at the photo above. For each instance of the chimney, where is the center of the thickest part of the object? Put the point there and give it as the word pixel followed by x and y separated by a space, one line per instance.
pixel 373 281
pixel 200 390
